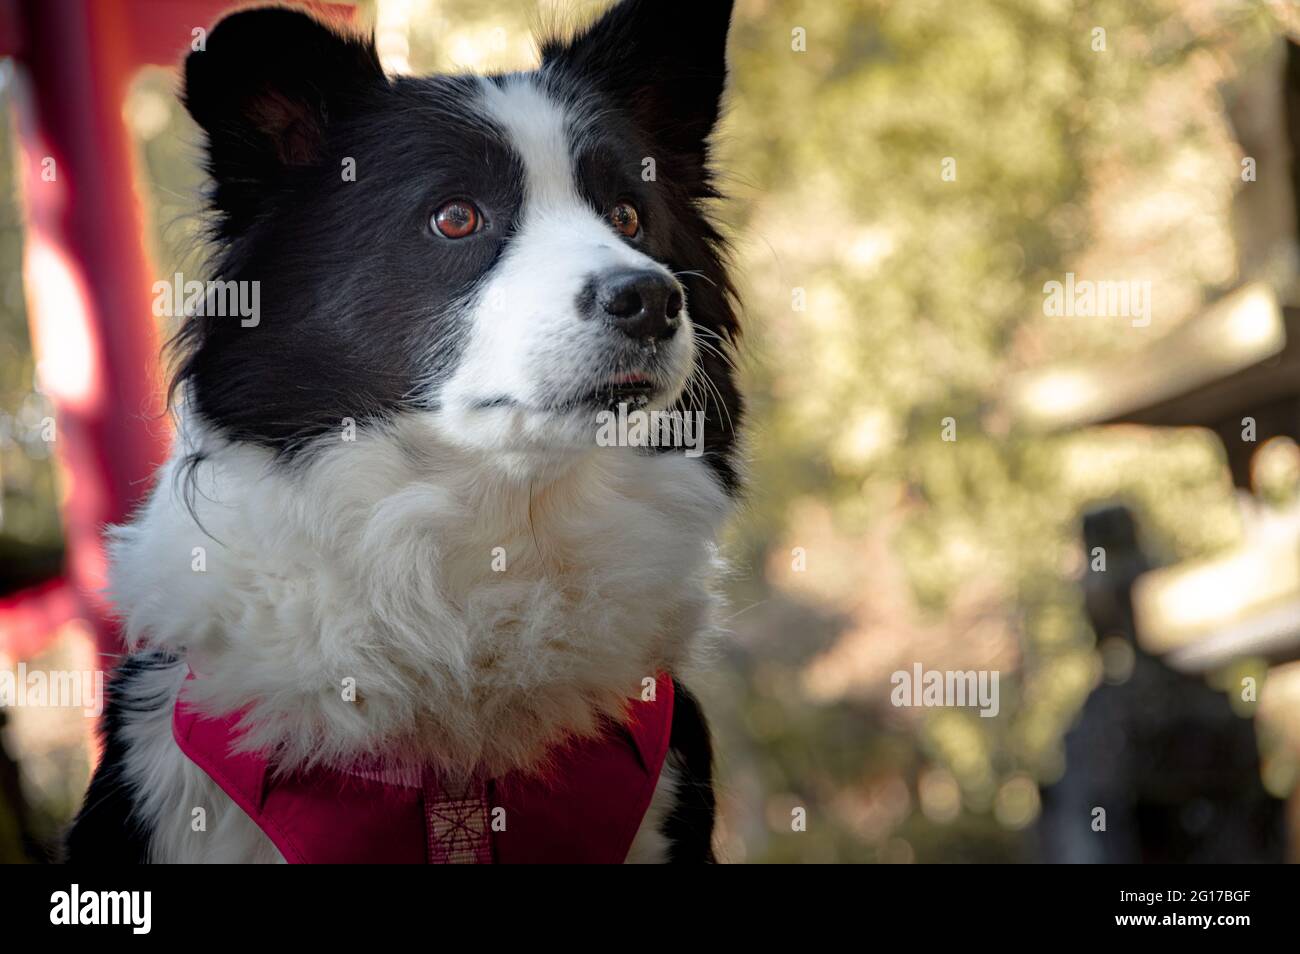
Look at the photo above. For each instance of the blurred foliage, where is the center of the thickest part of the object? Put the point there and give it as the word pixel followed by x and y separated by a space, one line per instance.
pixel 921 294
pixel 28 514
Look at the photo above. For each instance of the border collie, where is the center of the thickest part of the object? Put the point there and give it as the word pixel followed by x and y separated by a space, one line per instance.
pixel 389 480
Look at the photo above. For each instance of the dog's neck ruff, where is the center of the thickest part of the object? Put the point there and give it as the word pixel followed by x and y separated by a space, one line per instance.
pixel 482 618
pixel 583 806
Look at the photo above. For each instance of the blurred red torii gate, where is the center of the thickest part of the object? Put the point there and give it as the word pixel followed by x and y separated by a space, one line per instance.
pixel 87 274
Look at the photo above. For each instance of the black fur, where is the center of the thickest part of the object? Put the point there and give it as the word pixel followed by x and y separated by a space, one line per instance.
pixel 106 830
pixel 354 301
pixel 689 827
pixel 357 301
pixel 658 69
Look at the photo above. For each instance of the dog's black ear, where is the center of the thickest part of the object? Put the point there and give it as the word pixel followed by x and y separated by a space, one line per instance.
pixel 666 59
pixel 264 88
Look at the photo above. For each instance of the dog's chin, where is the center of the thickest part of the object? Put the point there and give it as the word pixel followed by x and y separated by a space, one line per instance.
pixel 550 428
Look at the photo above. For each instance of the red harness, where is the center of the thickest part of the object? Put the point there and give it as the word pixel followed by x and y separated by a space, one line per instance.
pixel 585 808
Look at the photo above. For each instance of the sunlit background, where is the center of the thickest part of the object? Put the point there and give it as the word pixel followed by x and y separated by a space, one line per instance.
pixel 942 472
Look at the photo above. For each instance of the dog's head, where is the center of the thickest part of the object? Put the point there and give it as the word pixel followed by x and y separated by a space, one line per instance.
pixel 504 255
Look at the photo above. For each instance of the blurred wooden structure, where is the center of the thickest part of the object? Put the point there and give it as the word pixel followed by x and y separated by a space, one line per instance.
pixel 1177 769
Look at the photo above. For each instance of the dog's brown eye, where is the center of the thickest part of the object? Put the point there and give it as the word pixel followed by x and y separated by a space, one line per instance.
pixel 624 218
pixel 457 219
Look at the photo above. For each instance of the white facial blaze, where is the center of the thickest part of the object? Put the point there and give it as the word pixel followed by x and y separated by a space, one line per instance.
pixel 536 125
pixel 529 348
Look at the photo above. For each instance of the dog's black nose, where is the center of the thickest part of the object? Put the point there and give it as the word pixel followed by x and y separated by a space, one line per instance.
pixel 641 303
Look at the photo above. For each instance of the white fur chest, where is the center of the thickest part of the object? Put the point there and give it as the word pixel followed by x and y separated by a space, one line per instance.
pixel 478 614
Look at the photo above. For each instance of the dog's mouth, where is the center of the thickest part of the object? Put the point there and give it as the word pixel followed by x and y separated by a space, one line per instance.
pixel 625 387
pixel 635 389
